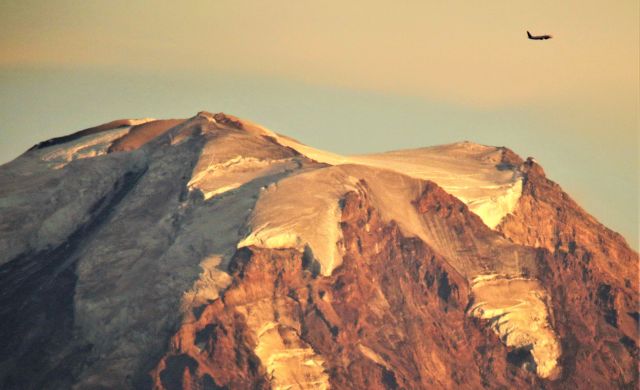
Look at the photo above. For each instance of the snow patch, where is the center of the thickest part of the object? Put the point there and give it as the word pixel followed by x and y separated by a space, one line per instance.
pixel 88 146
pixel 218 178
pixel 466 170
pixel 288 360
pixel 302 210
pixel 94 145
pixel 207 287
pixel 291 362
pixel 519 315
pixel 494 208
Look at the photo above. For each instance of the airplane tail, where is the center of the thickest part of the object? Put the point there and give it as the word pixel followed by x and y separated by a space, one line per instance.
pixel 529 34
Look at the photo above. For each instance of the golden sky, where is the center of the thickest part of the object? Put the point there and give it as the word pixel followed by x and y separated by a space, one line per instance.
pixel 462 51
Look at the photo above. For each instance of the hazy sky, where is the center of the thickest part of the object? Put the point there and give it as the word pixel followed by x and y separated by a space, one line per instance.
pixel 349 76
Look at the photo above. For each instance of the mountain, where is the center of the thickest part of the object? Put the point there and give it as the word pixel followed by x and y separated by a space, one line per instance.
pixel 212 253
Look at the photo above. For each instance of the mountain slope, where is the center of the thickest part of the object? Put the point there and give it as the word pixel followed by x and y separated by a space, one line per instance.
pixel 214 253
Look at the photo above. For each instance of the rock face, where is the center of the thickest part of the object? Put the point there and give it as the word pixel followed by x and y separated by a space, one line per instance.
pixel 595 274
pixel 212 253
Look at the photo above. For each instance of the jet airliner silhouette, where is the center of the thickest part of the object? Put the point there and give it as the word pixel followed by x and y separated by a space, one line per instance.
pixel 538 37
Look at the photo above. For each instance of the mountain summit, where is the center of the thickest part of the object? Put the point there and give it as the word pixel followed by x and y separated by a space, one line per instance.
pixel 211 253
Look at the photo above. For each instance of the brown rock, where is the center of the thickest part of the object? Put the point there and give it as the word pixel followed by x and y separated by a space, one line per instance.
pixel 594 276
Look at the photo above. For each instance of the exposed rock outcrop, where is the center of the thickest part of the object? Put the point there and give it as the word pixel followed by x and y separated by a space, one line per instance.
pixel 392 316
pixel 595 276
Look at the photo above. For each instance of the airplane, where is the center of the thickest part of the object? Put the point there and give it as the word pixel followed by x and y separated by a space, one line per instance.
pixel 538 37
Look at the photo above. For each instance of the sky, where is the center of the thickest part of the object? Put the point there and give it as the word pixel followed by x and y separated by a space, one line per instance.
pixel 350 77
